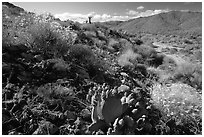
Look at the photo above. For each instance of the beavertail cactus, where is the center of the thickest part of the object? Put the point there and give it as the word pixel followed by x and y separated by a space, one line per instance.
pixel 106 106
pixel 111 109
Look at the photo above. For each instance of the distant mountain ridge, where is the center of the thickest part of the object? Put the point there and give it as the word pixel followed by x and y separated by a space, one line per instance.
pixel 173 21
pixel 164 23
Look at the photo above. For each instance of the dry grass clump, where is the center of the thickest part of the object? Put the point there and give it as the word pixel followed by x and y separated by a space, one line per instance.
pixel 179 102
pixel 128 57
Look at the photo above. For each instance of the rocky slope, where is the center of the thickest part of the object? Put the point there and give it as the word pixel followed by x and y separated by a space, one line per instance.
pixel 86 79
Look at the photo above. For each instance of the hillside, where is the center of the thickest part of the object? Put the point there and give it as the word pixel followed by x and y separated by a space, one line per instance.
pixel 165 23
pixel 67 78
pixel 10 9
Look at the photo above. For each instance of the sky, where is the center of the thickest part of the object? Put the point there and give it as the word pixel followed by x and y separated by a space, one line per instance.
pixel 106 11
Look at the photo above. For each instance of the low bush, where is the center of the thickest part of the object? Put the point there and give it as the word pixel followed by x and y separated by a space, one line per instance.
pixel 128 58
pixel 83 56
pixel 179 103
pixel 48 41
pixel 145 51
pixel 189 74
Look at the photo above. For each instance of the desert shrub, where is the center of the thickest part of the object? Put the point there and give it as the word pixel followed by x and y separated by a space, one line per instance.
pixel 83 56
pixel 81 53
pixel 189 74
pixel 179 103
pixel 128 58
pixel 48 40
pixel 145 51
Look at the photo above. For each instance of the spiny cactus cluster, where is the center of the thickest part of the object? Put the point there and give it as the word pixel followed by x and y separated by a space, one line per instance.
pixel 116 111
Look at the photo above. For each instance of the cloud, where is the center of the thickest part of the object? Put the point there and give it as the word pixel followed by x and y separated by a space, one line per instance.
pixel 140 7
pixel 146 13
pixel 107 17
pixel 95 17
pixel 72 16
pixel 152 12
pixel 132 12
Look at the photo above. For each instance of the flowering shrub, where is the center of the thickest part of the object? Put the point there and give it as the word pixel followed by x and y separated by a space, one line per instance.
pixel 179 102
pixel 49 37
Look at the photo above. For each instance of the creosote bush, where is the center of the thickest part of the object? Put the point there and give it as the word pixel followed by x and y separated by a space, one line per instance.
pixel 47 40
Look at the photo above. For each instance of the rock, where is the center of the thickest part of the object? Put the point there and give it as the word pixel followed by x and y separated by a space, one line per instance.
pixel 70 115
pixel 123 88
pixel 124 74
pixel 86 114
pixel 46 128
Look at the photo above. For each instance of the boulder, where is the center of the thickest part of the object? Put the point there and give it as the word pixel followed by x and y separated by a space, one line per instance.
pixel 123 88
